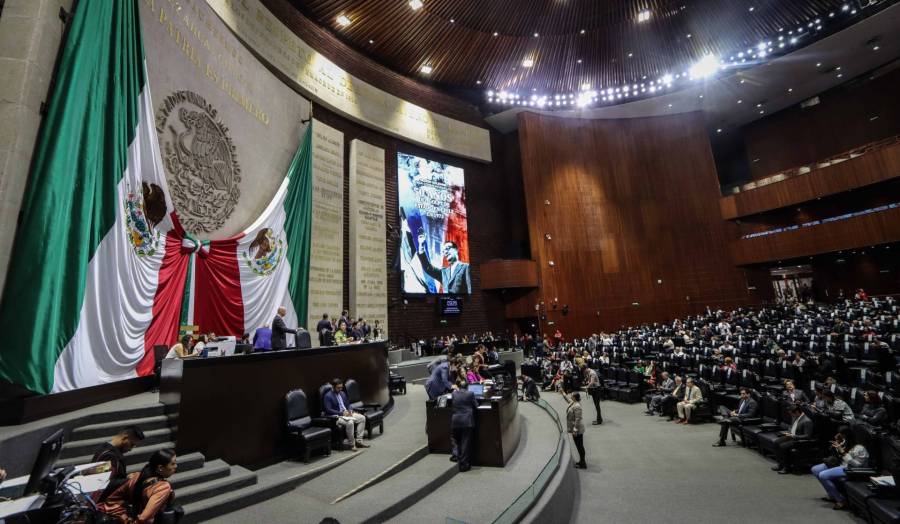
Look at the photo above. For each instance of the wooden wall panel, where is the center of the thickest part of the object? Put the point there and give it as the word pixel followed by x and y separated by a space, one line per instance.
pixel 493 216
pixel 632 210
pixel 852 233
pixel 369 70
pixel 506 274
pixel 849 116
pixel 873 167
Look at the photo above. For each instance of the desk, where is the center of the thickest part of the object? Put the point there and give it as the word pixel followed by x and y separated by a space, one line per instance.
pixel 233 407
pixel 497 429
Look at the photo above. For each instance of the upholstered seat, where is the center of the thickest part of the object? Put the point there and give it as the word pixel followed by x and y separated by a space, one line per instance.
pixel 300 425
pixel 373 412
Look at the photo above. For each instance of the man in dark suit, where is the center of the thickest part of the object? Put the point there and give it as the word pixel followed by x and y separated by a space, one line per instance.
pixel 792 394
pixel 801 429
pixel 454 278
pixel 280 330
pixel 337 404
pixel 324 328
pixel 462 425
pixel 747 409
pixel 439 381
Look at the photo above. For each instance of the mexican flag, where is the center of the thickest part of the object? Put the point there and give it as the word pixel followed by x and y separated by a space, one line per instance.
pixel 97 276
pixel 237 284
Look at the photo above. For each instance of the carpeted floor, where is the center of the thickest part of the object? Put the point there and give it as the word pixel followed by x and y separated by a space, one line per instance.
pixel 645 469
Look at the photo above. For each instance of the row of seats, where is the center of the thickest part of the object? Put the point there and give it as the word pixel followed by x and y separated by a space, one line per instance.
pixel 320 432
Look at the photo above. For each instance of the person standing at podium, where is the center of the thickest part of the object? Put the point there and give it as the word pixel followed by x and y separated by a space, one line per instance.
pixel 462 425
pixel 280 330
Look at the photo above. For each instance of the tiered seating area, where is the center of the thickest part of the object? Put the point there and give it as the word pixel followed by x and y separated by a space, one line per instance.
pixel 849 348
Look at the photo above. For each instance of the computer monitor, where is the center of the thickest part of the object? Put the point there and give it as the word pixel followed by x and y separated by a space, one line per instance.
pixel 477 389
pixel 46 458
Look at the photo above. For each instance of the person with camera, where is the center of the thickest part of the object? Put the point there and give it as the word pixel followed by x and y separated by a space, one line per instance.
pixel 844 453
pixel 146 497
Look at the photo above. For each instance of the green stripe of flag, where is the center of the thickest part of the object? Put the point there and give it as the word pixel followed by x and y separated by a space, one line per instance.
pixel 297 225
pixel 70 201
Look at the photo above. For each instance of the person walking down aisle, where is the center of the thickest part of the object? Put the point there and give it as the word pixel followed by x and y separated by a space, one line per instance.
pixel 575 425
pixel 592 385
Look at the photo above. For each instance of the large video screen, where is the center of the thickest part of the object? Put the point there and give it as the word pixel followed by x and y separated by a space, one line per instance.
pixel 434 254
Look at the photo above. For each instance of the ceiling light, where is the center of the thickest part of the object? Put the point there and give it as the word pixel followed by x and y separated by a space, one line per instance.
pixel 478 82
pixel 426 69
pixel 875 48
pixel 818 64
pixel 790 90
pixel 452 21
pixel 705 67
pixel 496 33
pixel 585 86
pixel 528 62
pixel 582 31
pixel 371 41
pixel 343 21
pixel 416 4
pixel 719 130
pixel 740 101
pixel 536 35
pixel 670 105
pixel 751 9
pixel 643 16
pixel 688 35
pixel 667 78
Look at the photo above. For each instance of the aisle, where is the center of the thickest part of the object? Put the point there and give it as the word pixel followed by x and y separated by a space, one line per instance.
pixel 645 469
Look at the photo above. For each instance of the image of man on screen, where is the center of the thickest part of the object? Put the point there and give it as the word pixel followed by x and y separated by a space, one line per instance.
pixel 455 277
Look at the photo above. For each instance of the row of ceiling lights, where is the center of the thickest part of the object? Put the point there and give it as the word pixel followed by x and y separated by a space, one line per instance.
pixel 704 68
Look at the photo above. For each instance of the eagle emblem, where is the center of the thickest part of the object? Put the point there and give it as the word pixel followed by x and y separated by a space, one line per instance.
pixel 142 213
pixel 200 161
pixel 264 253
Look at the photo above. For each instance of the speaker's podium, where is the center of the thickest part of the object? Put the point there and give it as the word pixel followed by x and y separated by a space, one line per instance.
pixel 497 427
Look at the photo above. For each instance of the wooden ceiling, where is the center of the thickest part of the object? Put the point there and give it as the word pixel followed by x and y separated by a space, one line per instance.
pixel 595 42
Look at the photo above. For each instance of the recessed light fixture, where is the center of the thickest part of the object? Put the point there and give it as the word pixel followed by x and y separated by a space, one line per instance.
pixel 478 82
pixel 705 67
pixel 343 21
pixel 416 4
pixel 371 41
pixel 496 33
pixel 719 130
pixel 670 105
pixel 643 16
pixel 762 111
pixel 426 69
pixel 452 21
pixel 818 64
pixel 582 31
pixel 875 48
pixel 751 9
pixel 688 35
pixel 740 101
pixel 528 62
pixel 537 35
pixel 585 86
pixel 579 60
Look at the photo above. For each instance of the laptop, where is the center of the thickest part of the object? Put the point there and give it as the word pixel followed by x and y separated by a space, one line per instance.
pixel 477 389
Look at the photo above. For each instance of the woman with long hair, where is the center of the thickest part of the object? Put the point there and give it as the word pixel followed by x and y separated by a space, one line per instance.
pixel 144 494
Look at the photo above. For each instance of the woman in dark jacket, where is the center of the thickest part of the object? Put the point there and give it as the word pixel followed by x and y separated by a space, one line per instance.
pixel 872 411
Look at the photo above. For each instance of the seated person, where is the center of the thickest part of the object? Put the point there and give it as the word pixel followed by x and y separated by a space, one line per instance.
pixel 792 394
pixel 668 402
pixel 341 336
pixel 338 405
pixel 529 388
pixel 845 453
pixel 729 364
pixel 747 409
pixel 2 475
pixel 655 397
pixel 472 376
pixel 692 396
pixel 801 428
pixel 144 494
pixel 262 339
pixel 836 408
pixel 114 453
pixel 181 349
pixel 872 413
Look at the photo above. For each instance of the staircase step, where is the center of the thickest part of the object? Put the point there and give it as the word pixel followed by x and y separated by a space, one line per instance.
pixel 152 410
pixel 215 469
pixel 186 462
pixel 238 478
pixel 110 429
pixel 405 488
pixel 76 448
pixel 209 508
pixel 138 455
